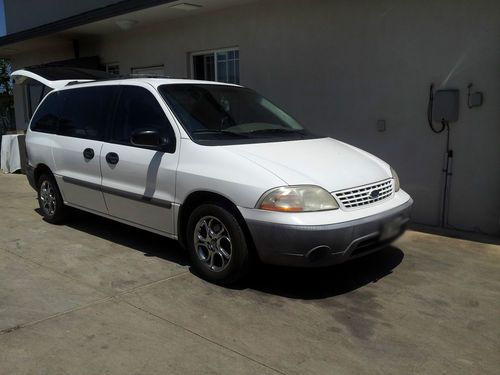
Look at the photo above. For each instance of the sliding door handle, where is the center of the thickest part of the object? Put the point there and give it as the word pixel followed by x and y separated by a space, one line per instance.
pixel 112 158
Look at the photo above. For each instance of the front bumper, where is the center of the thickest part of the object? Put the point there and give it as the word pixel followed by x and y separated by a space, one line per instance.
pixel 324 245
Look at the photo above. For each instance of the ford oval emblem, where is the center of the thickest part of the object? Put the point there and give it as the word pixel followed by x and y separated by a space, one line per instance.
pixel 375 193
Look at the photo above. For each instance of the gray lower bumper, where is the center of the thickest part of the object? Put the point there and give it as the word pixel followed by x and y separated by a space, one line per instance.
pixel 323 245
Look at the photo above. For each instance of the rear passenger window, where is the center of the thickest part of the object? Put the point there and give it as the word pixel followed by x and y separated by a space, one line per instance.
pixel 138 109
pixel 46 117
pixel 85 111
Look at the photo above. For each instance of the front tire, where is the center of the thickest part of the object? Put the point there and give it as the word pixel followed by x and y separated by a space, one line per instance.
pixel 217 245
pixel 50 200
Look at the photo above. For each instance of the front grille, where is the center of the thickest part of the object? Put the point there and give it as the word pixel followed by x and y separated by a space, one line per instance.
pixel 365 195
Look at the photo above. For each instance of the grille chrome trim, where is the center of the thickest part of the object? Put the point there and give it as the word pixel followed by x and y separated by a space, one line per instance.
pixel 361 196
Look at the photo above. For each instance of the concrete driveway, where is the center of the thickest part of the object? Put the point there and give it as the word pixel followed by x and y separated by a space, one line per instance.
pixel 98 297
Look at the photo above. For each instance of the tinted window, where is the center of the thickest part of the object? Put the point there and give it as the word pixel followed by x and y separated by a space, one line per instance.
pixel 46 117
pixel 138 109
pixel 85 111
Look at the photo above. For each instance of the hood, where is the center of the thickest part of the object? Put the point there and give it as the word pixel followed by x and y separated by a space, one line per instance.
pixel 325 162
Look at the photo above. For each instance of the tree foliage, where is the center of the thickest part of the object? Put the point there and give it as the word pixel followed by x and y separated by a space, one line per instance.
pixel 5 81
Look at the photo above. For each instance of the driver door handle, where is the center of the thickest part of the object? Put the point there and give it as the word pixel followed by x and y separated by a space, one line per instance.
pixel 112 158
pixel 88 153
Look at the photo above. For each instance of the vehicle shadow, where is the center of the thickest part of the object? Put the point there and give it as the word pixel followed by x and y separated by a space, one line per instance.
pixel 298 283
pixel 151 244
pixel 319 283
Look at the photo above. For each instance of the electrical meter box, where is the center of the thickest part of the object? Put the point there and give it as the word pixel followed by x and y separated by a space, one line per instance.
pixel 445 106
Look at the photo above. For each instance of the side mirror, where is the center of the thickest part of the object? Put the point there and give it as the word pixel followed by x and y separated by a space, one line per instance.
pixel 149 138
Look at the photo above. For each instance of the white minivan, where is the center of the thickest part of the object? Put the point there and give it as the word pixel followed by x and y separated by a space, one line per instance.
pixel 216 166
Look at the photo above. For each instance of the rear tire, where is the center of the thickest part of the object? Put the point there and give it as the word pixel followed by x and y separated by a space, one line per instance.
pixel 217 245
pixel 50 200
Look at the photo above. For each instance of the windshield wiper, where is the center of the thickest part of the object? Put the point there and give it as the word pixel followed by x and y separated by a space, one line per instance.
pixel 217 131
pixel 278 130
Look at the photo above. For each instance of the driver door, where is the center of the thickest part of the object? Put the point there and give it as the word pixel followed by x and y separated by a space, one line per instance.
pixel 139 183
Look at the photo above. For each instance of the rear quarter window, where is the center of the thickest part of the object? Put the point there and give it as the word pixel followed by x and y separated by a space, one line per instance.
pixel 46 118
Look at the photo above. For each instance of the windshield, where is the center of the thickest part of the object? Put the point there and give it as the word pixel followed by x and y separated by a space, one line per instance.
pixel 220 112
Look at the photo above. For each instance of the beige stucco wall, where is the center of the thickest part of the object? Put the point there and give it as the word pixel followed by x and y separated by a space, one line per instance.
pixel 339 66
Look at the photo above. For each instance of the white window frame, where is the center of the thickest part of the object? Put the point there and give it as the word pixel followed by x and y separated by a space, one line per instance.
pixel 113 64
pixel 214 52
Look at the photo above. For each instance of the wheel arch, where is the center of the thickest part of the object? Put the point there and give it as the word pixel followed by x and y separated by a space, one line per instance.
pixel 198 198
pixel 40 169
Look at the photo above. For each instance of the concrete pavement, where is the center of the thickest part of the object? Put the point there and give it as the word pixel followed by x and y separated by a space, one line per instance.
pixel 98 297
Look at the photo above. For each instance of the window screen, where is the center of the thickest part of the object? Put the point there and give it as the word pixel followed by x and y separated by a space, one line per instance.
pixel 138 109
pixel 85 111
pixel 46 117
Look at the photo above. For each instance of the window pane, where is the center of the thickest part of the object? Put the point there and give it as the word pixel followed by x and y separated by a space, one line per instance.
pixel 85 111
pixel 222 72
pixel 139 109
pixel 198 67
pixel 204 67
pixel 221 56
pixel 46 117
pixel 237 71
pixel 228 67
pixel 231 68
pixel 209 67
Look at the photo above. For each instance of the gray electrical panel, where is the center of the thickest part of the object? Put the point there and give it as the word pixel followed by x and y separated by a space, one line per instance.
pixel 445 106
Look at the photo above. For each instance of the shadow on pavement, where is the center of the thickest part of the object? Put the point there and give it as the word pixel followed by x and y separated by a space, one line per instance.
pixel 300 283
pixel 318 283
pixel 146 242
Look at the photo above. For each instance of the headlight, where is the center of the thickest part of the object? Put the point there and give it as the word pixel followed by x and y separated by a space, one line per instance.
pixel 396 179
pixel 304 198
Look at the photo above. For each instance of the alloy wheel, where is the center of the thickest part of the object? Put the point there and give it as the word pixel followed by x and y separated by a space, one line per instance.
pixel 212 243
pixel 48 198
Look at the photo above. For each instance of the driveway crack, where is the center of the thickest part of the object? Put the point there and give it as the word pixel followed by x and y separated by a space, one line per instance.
pixel 204 337
pixel 77 308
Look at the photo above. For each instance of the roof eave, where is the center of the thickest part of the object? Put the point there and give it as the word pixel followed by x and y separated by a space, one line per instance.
pixel 117 9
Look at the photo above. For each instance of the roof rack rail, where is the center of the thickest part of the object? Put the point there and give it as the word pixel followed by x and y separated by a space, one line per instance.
pixel 146 75
pixel 117 77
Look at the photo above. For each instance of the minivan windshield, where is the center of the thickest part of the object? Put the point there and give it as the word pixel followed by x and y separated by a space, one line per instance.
pixel 222 112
